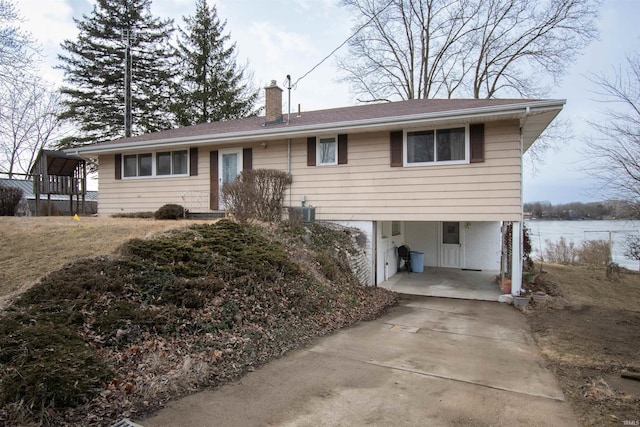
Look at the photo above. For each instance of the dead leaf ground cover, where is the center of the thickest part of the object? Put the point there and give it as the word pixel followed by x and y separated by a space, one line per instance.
pixel 589 332
pixel 113 336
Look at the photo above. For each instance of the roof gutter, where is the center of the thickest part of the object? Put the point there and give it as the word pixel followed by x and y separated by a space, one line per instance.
pixel 298 131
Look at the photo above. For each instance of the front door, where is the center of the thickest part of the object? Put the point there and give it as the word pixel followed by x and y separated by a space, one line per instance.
pixel 230 166
pixel 450 247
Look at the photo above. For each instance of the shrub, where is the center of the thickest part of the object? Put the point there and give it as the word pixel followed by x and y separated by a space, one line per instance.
pixel 47 366
pixel 560 252
pixel 294 217
pixel 133 215
pixel 257 194
pixel 9 199
pixel 526 248
pixel 169 211
pixel 594 252
pixel 590 252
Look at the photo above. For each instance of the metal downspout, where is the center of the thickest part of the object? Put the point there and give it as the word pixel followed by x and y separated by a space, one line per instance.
pixel 520 230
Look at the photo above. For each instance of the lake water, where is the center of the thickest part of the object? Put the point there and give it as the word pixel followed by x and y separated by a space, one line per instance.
pixel 579 231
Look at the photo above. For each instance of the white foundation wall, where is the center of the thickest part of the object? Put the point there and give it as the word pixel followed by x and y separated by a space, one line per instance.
pixel 367 227
pixel 482 244
pixel 424 237
pixel 387 249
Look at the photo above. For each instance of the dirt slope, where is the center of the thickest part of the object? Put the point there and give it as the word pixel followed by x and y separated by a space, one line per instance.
pixel 590 333
pixel 112 336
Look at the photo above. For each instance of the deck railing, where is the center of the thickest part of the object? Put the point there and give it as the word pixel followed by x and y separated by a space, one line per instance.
pixel 58 184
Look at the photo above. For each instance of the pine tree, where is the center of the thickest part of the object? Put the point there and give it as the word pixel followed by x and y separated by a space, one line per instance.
pixel 212 86
pixel 94 67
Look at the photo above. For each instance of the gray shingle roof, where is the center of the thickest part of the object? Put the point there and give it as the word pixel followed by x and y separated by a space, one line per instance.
pixel 537 114
pixel 329 117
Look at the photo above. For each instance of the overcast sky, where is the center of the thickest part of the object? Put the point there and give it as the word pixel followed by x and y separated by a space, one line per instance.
pixel 280 37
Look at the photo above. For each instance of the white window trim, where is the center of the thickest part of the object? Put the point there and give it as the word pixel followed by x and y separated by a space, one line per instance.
pixel 318 157
pixel 467 149
pixel 154 160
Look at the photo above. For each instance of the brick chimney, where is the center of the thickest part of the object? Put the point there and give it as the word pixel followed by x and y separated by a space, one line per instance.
pixel 273 103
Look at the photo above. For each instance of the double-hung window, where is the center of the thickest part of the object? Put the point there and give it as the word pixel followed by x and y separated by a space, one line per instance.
pixel 138 165
pixel 424 147
pixel 327 147
pixel 171 163
pixel 166 163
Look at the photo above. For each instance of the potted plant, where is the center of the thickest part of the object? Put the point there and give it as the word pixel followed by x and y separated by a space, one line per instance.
pixel 540 297
pixel 521 300
pixel 505 284
pixel 528 277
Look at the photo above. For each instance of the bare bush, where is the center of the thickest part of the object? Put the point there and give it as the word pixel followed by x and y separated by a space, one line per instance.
pixel 9 199
pixel 613 272
pixel 257 194
pixel 594 252
pixel 294 217
pixel 590 252
pixel 560 252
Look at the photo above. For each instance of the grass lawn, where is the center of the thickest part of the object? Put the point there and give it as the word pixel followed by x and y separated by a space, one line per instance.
pixel 590 333
pixel 33 247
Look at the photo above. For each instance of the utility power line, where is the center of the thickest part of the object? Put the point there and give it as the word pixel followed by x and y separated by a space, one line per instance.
pixel 343 43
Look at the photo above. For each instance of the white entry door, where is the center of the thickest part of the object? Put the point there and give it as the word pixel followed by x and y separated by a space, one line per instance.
pixel 230 166
pixel 450 245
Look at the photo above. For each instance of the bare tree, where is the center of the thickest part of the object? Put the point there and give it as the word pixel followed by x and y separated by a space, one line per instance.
pixel 408 48
pixel 28 122
pixel 418 49
pixel 17 49
pixel 632 248
pixel 559 130
pixel 614 151
pixel 26 105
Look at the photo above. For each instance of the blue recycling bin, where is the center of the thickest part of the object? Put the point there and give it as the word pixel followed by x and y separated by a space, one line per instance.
pixel 417 262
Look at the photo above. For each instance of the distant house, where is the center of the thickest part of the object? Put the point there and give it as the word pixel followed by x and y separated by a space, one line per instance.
pixel 441 176
pixel 60 204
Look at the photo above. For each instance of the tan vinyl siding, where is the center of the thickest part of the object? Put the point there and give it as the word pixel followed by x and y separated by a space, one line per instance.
pixel 274 156
pixel 147 194
pixel 367 188
pixel 128 195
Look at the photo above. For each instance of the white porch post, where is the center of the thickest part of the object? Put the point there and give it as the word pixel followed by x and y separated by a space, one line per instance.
pixel 516 258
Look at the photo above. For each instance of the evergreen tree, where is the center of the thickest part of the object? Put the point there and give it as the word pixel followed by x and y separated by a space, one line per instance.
pixel 212 86
pixel 94 67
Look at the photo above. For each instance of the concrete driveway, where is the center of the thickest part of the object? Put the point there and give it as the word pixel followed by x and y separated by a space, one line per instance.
pixel 428 362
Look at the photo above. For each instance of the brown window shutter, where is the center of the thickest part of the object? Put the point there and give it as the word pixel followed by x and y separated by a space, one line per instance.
pixel 476 139
pixel 311 151
pixel 247 159
pixel 396 148
pixel 213 166
pixel 193 161
pixel 118 166
pixel 342 149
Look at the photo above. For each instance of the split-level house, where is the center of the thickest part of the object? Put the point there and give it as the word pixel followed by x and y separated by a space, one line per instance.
pixel 442 176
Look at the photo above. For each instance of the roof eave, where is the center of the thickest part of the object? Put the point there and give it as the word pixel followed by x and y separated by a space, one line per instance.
pixel 520 110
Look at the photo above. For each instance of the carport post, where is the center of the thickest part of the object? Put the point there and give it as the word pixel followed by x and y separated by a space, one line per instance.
pixel 516 258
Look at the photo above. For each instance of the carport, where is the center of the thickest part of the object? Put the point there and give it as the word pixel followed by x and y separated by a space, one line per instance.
pixel 446 283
